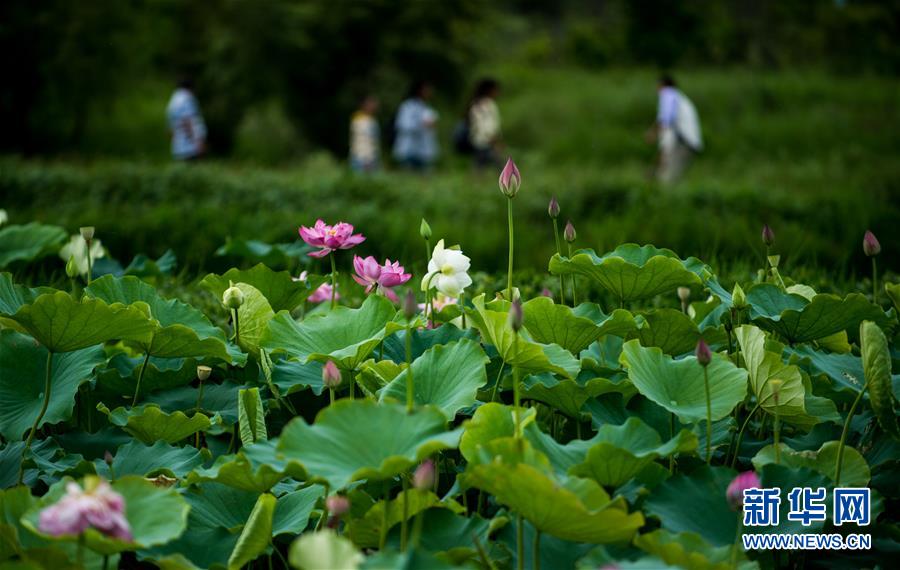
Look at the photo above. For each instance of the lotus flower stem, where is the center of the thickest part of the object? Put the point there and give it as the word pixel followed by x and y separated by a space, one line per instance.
pixel 333 281
pixel 497 383
pixel 776 428
pixel 79 553
pixel 40 416
pixel 708 416
pixel 509 216
pixel 410 386
pixel 536 551
pixel 487 562
pixel 520 542
pixel 840 458
pixel 137 388
pixel 672 436
pixel 462 308
pixel 324 516
pixel 740 436
pixel 403 522
pixel 90 264
pixel 562 289
pixel 874 281
pixel 237 327
pixel 737 544
pixel 574 299
pixel 516 402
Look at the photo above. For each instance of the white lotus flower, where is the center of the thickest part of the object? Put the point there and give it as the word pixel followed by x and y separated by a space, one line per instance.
pixel 4 217
pixel 447 271
pixel 77 249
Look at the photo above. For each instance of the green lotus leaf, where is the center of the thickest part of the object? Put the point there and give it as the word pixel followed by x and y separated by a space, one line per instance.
pixel 135 458
pixel 346 336
pixel 670 330
pixel 764 364
pixel 145 267
pixel 798 320
pixel 696 503
pixel 270 254
pixel 843 371
pixel 621 452
pixel 854 472
pixel 566 396
pixel 570 508
pixel 256 534
pixel 156 515
pixel 150 424
pixel 442 530
pixel 412 559
pixel 366 531
pixel 632 272
pixel 347 442
pixel 122 371
pixel 324 550
pixel 251 416
pixel 446 376
pixel 548 323
pixel 786 479
pixel 218 399
pixel 893 292
pixel 678 385
pixel 255 468
pixel 63 324
pixel 618 323
pixel 490 421
pixel 524 354
pixel 45 463
pixel 253 318
pixel 23 372
pixel 278 287
pixel 29 242
pixel 293 509
pixel 876 361
pixel 686 550
pixel 13 296
pixel 394 347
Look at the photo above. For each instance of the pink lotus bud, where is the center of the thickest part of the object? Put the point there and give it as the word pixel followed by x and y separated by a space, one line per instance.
pixel 768 236
pixel 108 457
pixel 516 315
pixel 735 492
pixel 569 233
pixel 410 307
pixel 510 179
pixel 331 376
pixel 704 355
pixel 546 293
pixel 337 505
pixel 870 244
pixel 553 208
pixel 423 478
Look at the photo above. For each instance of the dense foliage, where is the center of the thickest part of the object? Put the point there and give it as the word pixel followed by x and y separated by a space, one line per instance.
pixel 549 432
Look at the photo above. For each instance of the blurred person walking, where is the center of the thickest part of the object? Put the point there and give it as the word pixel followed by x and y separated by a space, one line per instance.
pixel 415 141
pixel 676 131
pixel 186 123
pixel 365 137
pixel 483 120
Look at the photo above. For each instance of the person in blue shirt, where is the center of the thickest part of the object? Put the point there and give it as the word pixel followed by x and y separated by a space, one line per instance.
pixel 415 142
pixel 186 123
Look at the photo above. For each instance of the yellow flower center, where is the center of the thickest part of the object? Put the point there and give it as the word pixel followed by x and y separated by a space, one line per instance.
pixel 447 269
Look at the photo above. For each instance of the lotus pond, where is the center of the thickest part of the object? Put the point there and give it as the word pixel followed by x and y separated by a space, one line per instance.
pixel 288 420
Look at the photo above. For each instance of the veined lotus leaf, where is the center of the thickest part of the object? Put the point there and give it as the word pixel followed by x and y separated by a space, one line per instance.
pixel 14 504
pixel 524 354
pixel 566 396
pixel 621 452
pixel 63 324
pixel 548 323
pixel 13 296
pixel 255 468
pixel 349 442
pixel 491 421
pixel 394 347
pixel 220 400
pixel 696 503
pixel 854 473
pixel 366 531
pixel 156 515
pixel 45 462
pixel 217 513
pixel 23 372
pixel 293 376
pixel 183 331
pixel 293 509
pixel 442 529
pixel 251 416
pixel 446 376
pixel 876 360
pixel 670 330
pixel 678 385
pixel 843 371
pixel 764 364
pixel 324 550
pixel 150 424
pixel 570 508
pixel 390 559
pixel 121 373
pixel 632 272
pixel 135 458
pixel 144 267
pixel 256 534
pixel 253 318
pixel 893 291
pixel 28 242
pixel 278 287
pixel 373 376
pixel 686 550
pixel 799 320
pixel 346 336
pixel 618 323
pixel 602 357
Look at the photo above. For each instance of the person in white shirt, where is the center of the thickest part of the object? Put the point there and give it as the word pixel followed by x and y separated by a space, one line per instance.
pixel 415 143
pixel 365 137
pixel 484 123
pixel 676 131
pixel 186 123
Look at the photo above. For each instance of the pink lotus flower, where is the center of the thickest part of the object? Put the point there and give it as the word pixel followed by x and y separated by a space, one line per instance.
pixel 735 491
pixel 322 294
pixel 371 275
pixel 330 238
pixel 99 508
